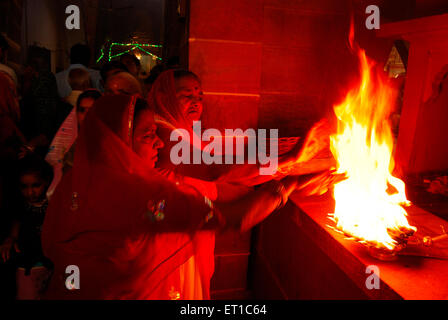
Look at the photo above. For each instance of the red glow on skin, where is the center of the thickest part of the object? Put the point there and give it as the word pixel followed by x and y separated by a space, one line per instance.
pixel 146 143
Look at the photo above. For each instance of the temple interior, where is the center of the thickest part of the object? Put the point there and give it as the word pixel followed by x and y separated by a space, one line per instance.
pixel 284 65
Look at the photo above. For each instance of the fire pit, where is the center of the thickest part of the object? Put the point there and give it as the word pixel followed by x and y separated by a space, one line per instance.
pixel 369 204
pixel 381 252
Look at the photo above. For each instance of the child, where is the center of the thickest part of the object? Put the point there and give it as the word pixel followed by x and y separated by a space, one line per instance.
pixel 24 241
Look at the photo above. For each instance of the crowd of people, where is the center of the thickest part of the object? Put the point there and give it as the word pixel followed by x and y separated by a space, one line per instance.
pixel 87 181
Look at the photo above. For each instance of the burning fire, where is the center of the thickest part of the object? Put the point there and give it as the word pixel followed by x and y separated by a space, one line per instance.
pixel 369 204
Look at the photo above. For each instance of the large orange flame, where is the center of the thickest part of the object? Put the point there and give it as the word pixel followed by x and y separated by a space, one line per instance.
pixel 369 204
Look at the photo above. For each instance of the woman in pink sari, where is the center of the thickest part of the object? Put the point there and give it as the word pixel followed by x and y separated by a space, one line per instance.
pixel 130 231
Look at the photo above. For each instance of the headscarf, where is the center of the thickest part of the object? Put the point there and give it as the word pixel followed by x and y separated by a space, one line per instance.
pixel 162 98
pixel 120 222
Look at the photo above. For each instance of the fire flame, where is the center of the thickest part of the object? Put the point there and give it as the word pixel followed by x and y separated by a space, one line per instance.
pixel 369 204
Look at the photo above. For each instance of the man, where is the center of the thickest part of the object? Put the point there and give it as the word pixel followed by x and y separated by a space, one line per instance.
pixel 3 58
pixel 79 58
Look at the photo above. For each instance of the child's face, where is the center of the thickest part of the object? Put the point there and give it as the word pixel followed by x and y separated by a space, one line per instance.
pixel 33 188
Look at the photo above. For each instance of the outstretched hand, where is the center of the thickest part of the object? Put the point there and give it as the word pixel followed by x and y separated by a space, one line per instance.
pixel 319 184
pixel 318 139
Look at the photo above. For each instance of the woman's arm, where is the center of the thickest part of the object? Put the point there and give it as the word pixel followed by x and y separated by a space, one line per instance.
pixel 185 210
pixel 316 141
pixel 245 213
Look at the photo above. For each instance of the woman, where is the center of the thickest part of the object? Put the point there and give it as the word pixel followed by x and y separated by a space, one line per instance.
pixel 176 96
pixel 129 230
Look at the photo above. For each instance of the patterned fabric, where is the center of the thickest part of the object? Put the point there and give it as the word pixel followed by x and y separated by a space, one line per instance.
pixel 120 222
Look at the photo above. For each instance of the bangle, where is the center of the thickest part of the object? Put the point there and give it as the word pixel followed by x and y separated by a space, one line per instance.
pixel 280 190
pixel 285 171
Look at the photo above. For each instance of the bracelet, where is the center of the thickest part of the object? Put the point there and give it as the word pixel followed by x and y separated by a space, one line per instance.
pixel 280 190
pixel 285 171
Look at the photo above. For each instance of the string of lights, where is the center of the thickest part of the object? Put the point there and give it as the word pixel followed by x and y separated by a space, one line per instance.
pixel 102 55
pixel 133 45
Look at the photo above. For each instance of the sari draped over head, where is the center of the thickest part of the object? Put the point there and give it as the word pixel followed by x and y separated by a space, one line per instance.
pixel 125 227
pixel 169 117
pixel 162 98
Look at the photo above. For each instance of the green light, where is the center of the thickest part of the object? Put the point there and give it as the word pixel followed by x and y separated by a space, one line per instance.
pixel 149 53
pixel 102 55
pixel 120 54
pixel 137 44
pixel 140 46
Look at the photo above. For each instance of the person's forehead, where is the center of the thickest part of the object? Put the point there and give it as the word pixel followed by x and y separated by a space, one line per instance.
pixel 145 119
pixel 186 83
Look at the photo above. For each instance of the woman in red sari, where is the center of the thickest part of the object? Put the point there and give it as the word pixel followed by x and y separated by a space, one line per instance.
pixel 176 97
pixel 129 230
